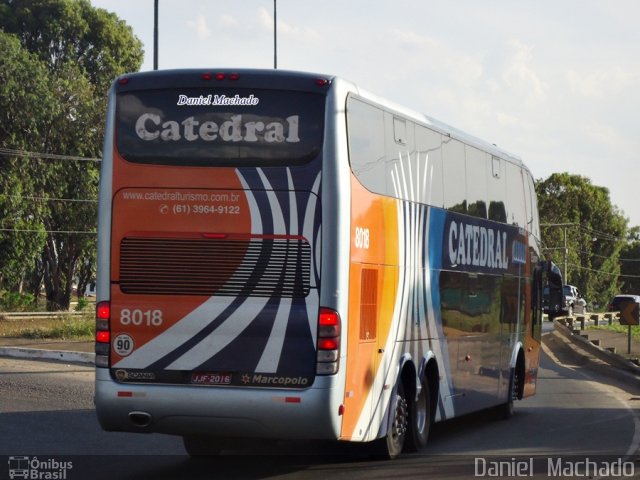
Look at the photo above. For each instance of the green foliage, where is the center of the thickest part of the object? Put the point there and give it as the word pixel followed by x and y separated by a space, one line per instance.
pixel 82 304
pixel 63 32
pixel 73 327
pixel 24 94
pixel 57 60
pixel 595 229
pixel 630 263
pixel 17 302
pixel 623 329
pixel 68 328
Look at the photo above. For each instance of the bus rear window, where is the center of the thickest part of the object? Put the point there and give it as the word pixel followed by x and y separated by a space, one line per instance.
pixel 219 127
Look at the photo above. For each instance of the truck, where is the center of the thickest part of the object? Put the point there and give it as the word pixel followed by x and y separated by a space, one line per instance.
pixel 571 301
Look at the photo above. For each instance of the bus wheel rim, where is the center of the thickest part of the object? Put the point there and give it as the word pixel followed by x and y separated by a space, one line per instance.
pixel 401 418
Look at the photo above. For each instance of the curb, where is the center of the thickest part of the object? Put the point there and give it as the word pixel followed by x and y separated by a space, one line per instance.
pixel 42 354
pixel 616 365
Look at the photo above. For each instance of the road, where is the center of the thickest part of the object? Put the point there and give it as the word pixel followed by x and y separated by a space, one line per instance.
pixel 46 410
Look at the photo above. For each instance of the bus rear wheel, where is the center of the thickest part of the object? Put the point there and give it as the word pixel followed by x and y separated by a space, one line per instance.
pixel 391 445
pixel 419 420
pixel 514 389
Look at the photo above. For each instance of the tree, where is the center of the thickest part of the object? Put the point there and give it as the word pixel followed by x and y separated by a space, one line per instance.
pixel 82 49
pixel 595 229
pixel 24 101
pixel 61 32
pixel 630 263
pixel 74 130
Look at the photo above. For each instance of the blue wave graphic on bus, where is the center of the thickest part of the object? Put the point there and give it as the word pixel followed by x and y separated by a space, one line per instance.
pixel 271 335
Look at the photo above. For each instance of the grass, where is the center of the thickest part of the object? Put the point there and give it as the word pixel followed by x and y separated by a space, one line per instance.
pixel 64 327
pixel 635 330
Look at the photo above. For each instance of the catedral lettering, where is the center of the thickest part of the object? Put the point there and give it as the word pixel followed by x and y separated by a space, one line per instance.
pixel 477 246
pixel 150 126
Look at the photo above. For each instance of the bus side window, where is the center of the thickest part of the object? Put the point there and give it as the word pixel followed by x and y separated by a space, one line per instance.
pixel 528 199
pixel 401 158
pixel 516 214
pixel 455 176
pixel 498 191
pixel 400 130
pixel 429 150
pixel 477 167
pixel 365 130
pixel 535 220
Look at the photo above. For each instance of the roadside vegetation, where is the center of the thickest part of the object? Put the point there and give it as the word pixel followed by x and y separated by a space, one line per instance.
pixel 589 238
pixel 635 330
pixel 64 326
pixel 58 59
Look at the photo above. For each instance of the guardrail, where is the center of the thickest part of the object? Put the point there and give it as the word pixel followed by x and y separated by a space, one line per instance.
pixel 25 315
pixel 590 318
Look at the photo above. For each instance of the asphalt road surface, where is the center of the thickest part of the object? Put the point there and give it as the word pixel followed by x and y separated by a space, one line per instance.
pixel 46 412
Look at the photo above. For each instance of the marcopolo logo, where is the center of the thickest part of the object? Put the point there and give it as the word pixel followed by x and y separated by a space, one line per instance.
pixel 273 380
pixel 38 468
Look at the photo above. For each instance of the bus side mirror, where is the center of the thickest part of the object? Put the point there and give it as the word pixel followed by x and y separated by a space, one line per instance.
pixel 554 277
pixel 554 282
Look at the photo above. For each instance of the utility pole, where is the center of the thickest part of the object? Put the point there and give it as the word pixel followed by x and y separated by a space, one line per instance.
pixel 155 34
pixel 564 256
pixel 275 37
pixel 565 249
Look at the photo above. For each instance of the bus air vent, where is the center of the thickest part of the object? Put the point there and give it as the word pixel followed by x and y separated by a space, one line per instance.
pixel 186 266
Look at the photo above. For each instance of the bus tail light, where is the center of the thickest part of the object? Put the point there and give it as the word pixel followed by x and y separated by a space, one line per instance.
pixel 103 337
pixel 103 334
pixel 328 342
pixel 219 76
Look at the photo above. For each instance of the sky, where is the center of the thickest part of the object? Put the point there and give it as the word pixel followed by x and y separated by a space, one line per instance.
pixel 556 82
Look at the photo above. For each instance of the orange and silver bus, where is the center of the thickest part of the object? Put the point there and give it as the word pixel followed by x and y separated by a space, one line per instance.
pixel 285 255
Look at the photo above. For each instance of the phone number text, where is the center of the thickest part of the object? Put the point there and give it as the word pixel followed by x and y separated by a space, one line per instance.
pixel 180 209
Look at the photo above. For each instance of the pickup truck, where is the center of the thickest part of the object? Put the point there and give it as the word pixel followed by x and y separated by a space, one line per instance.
pixel 572 302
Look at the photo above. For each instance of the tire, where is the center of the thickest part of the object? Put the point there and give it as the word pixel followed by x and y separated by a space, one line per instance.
pixel 200 446
pixel 514 386
pixel 420 417
pixel 390 446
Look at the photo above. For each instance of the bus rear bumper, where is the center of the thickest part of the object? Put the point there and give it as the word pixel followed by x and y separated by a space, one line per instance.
pixel 311 414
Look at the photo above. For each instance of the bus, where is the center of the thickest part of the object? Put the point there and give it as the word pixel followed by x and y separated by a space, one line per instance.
pixel 283 255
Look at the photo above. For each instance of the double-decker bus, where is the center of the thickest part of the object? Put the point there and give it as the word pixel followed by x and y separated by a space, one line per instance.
pixel 284 255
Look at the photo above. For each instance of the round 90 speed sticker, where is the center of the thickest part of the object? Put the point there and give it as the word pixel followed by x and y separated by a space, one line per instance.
pixel 123 345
